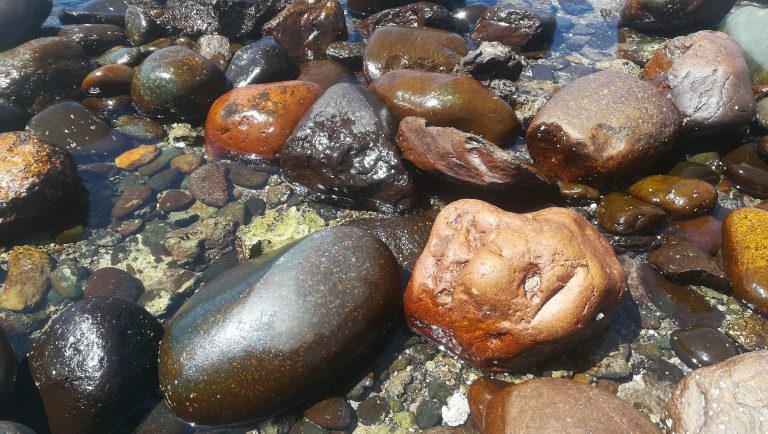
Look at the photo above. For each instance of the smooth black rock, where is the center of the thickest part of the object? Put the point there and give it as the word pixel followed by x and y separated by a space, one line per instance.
pixel 269 333
pixel 140 26
pixel 41 71
pixel 20 20
pixel 263 61
pixel 128 56
pixel 94 363
pixel 702 346
pixel 343 152
pixel 368 7
pixel 8 368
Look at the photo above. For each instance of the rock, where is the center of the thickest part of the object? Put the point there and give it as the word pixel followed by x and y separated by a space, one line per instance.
pixel 747 26
pixel 245 176
pixel 463 158
pixel 216 49
pixel 68 279
pixel 348 53
pixel 745 256
pixel 95 12
pixel 560 280
pixel 202 243
pixel 678 197
pixel 523 29
pixel 37 179
pixel 447 100
pixel 673 16
pixel 275 229
pixel 162 420
pixel 342 151
pixel 373 410
pixel 729 394
pixel 12 116
pixel 113 282
pixel 128 56
pixel 186 163
pixel 456 411
pixel 326 282
pixel 601 127
pixel 95 362
pixel 263 61
pixel 682 71
pixel 466 17
pixel 325 73
pixel 332 413
pixel 41 71
pixel 21 20
pixel 417 48
pixel 174 200
pixel 140 128
pixel 109 80
pixel 108 106
pixel 428 414
pixel 684 263
pixel 421 14
pixel 702 346
pixel 14 428
pixel 306 27
pixel 368 7
pixel 704 232
pixel 208 184
pixel 252 123
pixel 141 26
pixel 132 198
pixel 176 82
pixel 620 214
pixel 94 38
pixel 8 368
pixel 29 270
pixel 585 408
pixel 137 157
pixel 747 171
pixel 493 60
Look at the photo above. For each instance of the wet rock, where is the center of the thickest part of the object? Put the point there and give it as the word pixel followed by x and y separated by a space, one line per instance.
pixel 679 197
pixel 216 49
pixel 305 28
pixel 421 14
pixel 186 163
pixel 263 61
pixel 493 60
pixel 682 71
pixel 140 26
pixel 325 73
pixel 94 38
pixel 14 428
pixel 140 128
pixel 132 198
pixel 704 232
pixel 137 157
pixel 373 410
pixel 95 12
pixel 235 211
pixel 345 273
pixel 417 48
pixel 574 192
pixel 517 407
pixel 332 413
pixel 165 179
pixel 602 126
pixel 254 122
pixel 728 394
pixel 690 169
pixel 161 162
pixel 745 255
pixel 109 80
pixel 128 56
pixel 202 243
pixel 68 279
pixel 275 229
pixel 12 116
pixel 94 362
pixel 342 152
pixel 109 105
pixel 113 282
pixel 620 214
pixel 174 200
pixel 29 270
pixel 747 26
pixel 256 206
pixel 21 20
pixel 246 176
pixel 41 71
pixel 208 184
pixel 555 301
pixel 176 82
pixel 747 171
pixel 162 420
pixel 523 29
pixel 463 158
pixel 447 100
pixel 36 181
pixel 348 53
pixel 428 414
pixel 684 263
pixel 673 16
pixel 702 346
pixel 466 17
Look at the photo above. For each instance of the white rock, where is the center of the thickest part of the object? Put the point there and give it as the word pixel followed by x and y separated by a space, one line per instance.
pixel 456 411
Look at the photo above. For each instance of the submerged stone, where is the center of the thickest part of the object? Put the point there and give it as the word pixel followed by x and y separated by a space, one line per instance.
pixel 702 346
pixel 747 170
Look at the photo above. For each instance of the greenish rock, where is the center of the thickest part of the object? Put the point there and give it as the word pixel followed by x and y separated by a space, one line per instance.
pixel 160 163
pixel 398 365
pixel 405 420
pixel 307 427
pixel 268 334
pixel 157 301
pixel 396 405
pixel 439 391
pixel 275 229
pixel 68 279
pixel 234 211
pixel 428 414
pixel 140 128
pixel 422 353
pixel 128 56
pixel 373 410
pixel 748 25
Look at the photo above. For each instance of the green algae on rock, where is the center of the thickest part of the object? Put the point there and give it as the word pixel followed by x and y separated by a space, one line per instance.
pixel 275 229
pixel 268 333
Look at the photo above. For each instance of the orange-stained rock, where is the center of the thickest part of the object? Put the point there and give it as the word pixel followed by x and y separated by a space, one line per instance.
pixel 553 406
pixel 253 122
pixel 134 158
pixel 745 255
pixel 447 100
pixel 679 197
pixel 504 290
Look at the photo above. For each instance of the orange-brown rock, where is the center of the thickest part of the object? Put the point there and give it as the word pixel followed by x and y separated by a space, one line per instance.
pixel 109 80
pixel 745 255
pixel 679 197
pixel 504 290
pixel 325 73
pixel 602 126
pixel 552 406
pixel 447 100
pixel 620 214
pixel 253 122
pixel 134 158
pixel 462 158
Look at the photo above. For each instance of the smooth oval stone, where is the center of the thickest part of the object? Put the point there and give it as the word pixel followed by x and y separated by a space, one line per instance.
pixel 325 73
pixel 673 16
pixel 8 367
pixel 447 100
pixel 113 282
pixel 174 200
pixel 208 184
pixel 140 128
pixel 524 29
pixel 95 362
pixel 109 80
pixel 137 157
pixel 421 14
pixel 419 48
pixel 128 56
pixel 747 26
pixel 267 334
pixel 21 20
pixel 253 122
pixel 176 82
pixel 747 171
pixel 620 214
pixel 94 38
pixel 133 198
pixel 305 28
pixel 704 232
pixel 263 61
pixel 702 346
pixel 745 255
pixel 679 197
pixel 343 152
